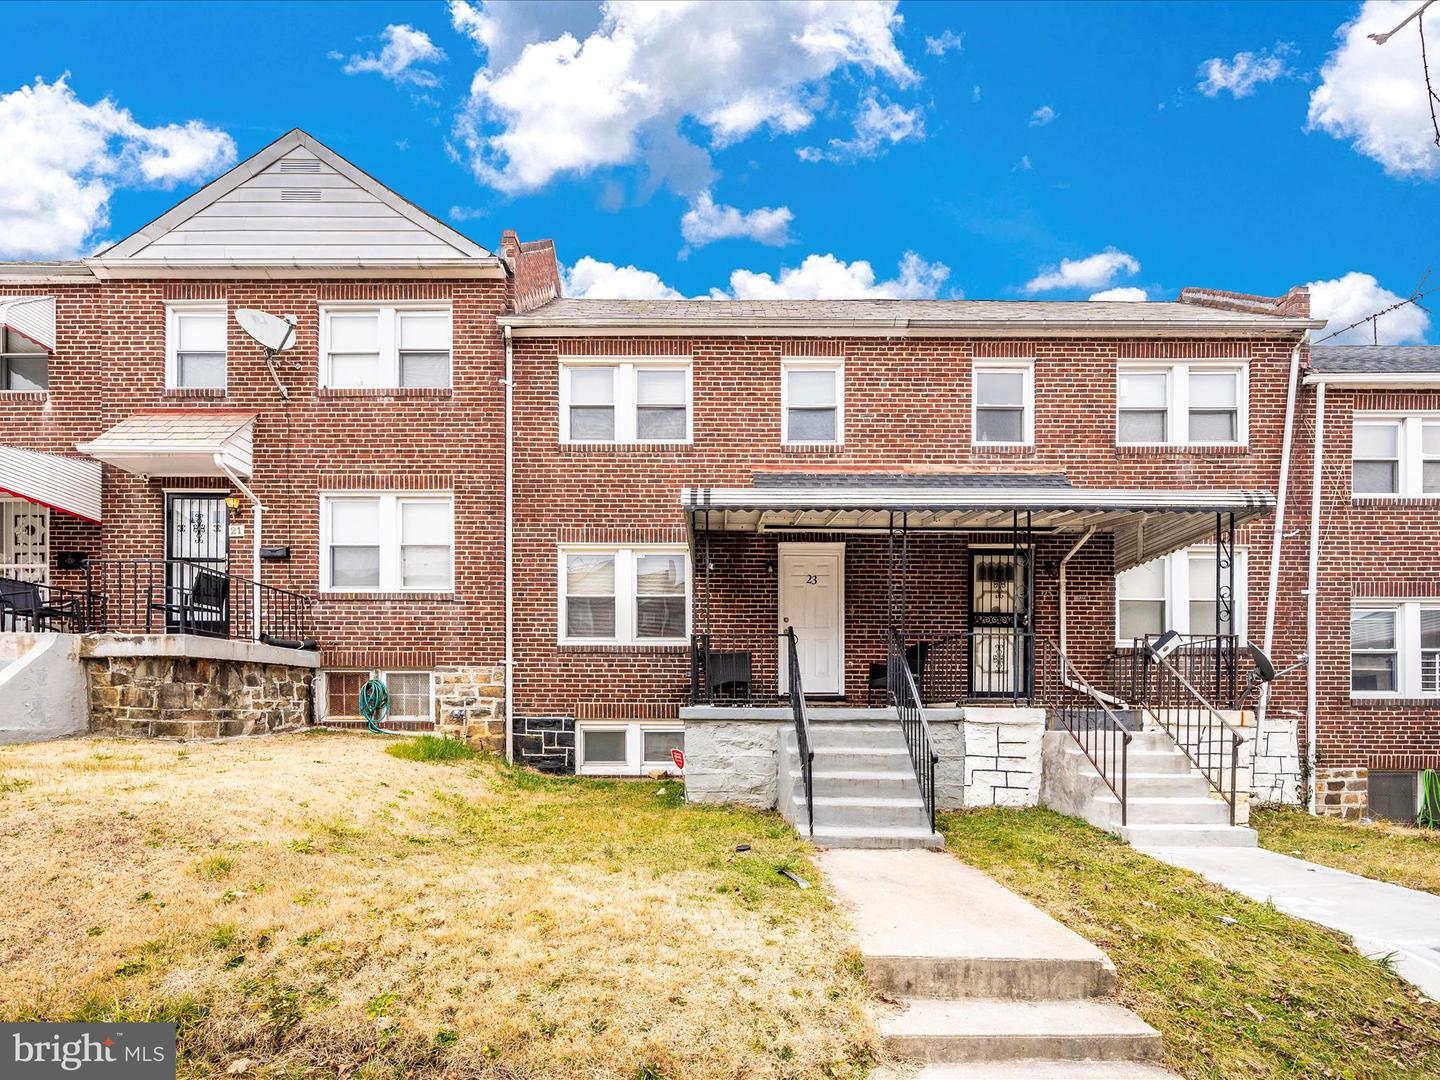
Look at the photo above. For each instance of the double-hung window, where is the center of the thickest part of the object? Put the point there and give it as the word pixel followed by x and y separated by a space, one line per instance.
pixel 385 347
pixel 1195 404
pixel 1142 601
pixel 812 401
pixel 1004 404
pixel 625 402
pixel 1395 648
pixel 387 542
pixel 635 748
pixel 1395 455
pixel 24 365
pixel 1177 592
pixel 195 345
pixel 624 595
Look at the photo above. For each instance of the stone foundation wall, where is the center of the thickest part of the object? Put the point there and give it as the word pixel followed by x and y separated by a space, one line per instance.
pixel 1002 756
pixel 732 761
pixel 1343 793
pixel 1271 754
pixel 546 743
pixel 470 705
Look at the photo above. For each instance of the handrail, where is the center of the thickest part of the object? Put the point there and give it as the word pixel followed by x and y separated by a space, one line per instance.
pixel 910 708
pixel 1083 711
pixel 802 725
pixel 1191 720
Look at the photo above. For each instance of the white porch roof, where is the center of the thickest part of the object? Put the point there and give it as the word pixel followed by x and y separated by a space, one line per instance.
pixel 178 442
pixel 70 485
pixel 32 317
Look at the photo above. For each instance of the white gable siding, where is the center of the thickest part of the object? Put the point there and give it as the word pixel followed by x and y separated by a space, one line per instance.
pixel 275 216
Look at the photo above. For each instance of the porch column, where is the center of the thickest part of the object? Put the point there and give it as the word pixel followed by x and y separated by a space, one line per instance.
pixel 1224 591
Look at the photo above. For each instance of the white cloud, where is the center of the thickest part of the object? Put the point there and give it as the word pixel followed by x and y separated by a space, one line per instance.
pixel 824 277
pixel 1121 292
pixel 65 158
pixel 877 126
pixel 502 28
pixel 706 221
pixel 405 48
pixel 1374 95
pixel 591 279
pixel 1092 272
pixel 1023 165
pixel 576 101
pixel 948 41
pixel 1344 300
pixel 1042 116
pixel 466 213
pixel 1243 72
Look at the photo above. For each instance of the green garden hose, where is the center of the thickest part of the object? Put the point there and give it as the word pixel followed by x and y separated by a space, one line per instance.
pixel 375 706
pixel 1429 816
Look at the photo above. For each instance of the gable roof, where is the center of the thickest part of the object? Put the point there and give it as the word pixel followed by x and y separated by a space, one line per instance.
pixel 296 203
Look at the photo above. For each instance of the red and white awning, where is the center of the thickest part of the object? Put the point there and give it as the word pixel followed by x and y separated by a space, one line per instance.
pixel 30 317
pixel 70 485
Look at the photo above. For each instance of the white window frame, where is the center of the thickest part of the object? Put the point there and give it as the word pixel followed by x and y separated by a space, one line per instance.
pixel 388 538
pixel 635 765
pixel 173 310
pixel 1408 662
pixel 800 363
pixel 387 338
pixel 626 559
pixel 626 403
pixel 1178 596
pixel 384 677
pixel 1025 368
pixel 1410 445
pixel 1177 398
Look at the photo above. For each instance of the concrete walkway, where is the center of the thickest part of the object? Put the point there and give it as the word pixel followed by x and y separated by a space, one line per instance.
pixel 988 985
pixel 1382 918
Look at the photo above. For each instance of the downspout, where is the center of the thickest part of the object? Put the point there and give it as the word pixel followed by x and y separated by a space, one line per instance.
pixel 1311 724
pixel 1278 534
pixel 509 662
pixel 220 464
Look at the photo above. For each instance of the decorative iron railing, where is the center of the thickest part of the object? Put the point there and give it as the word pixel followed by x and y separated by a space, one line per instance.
pixel 910 707
pixel 1084 712
pixel 1209 663
pixel 982 664
pixel 1210 741
pixel 796 692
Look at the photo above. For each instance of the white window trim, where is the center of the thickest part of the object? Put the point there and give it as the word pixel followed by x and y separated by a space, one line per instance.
pixel 797 363
pixel 1410 479
pixel 1408 668
pixel 388 538
pixel 174 308
pixel 625 606
pixel 635 765
pixel 1177 398
pixel 387 337
pixel 1024 367
pixel 373 673
pixel 626 404
pixel 1178 597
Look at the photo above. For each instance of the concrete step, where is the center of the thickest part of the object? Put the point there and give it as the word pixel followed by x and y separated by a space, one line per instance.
pixel 989 1030
pixel 876 783
pixel 1010 978
pixel 1149 810
pixel 1143 836
pixel 1031 1069
pixel 1153 763
pixel 872 836
pixel 1164 785
pixel 878 757
pixel 854 811
pixel 837 736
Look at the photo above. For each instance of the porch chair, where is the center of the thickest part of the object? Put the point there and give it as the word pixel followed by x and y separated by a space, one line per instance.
pixel 915 655
pixel 29 601
pixel 203 608
pixel 728 676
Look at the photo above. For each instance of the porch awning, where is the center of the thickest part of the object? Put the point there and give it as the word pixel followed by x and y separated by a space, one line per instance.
pixel 70 485
pixel 178 442
pixel 1146 523
pixel 29 317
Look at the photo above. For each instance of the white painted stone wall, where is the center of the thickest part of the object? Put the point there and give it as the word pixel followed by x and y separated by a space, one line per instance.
pixel 1002 755
pixel 43 693
pixel 732 761
pixel 1272 758
pixel 948 739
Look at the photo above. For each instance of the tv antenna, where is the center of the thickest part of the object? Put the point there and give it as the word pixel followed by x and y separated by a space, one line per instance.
pixel 275 335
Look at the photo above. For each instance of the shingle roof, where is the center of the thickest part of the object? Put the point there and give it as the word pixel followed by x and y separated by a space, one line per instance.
pixel 959 481
pixel 1375 359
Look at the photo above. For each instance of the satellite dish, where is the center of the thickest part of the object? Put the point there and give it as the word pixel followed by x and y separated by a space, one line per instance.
pixel 1264 669
pixel 271 331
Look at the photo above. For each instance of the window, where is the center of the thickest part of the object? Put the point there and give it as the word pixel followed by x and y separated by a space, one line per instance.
pixel 24 365
pixel 365 347
pixel 1145 597
pixel 411 694
pixel 1393 796
pixel 610 748
pixel 195 346
pixel 624 595
pixel 1374 652
pixel 1395 649
pixel 1395 455
pixel 812 401
pixel 387 542
pixel 644 401
pixel 1196 404
pixel 1004 404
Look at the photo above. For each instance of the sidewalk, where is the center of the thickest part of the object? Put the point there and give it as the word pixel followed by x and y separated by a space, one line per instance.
pixel 1383 919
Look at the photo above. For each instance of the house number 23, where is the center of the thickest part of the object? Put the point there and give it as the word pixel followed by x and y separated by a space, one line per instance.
pixel 812 579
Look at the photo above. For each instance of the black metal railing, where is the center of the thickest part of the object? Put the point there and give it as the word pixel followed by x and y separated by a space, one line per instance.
pixel 910 707
pixel 173 596
pixel 1084 712
pixel 1209 663
pixel 796 692
pixel 39 608
pixel 1210 741
pixel 983 664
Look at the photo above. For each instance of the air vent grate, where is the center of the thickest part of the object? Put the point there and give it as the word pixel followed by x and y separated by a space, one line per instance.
pixel 300 165
pixel 299 194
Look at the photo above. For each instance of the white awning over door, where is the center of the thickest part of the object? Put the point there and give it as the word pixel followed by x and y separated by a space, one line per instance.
pixel 70 485
pixel 178 442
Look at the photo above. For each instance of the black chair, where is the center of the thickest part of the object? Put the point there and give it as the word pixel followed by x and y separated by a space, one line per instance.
pixel 728 676
pixel 202 608
pixel 36 604
pixel 879 679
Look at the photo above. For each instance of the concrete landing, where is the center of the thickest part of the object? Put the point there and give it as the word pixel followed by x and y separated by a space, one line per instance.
pixel 1382 918
pixel 1030 1069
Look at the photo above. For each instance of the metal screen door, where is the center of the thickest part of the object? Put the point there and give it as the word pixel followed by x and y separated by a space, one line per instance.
pixel 999 624
pixel 197 538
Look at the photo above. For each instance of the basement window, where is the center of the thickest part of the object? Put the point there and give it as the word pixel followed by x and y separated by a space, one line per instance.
pixel 412 694
pixel 614 748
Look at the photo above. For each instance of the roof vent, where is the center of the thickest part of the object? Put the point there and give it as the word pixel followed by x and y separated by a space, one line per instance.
pixel 300 165
pixel 299 194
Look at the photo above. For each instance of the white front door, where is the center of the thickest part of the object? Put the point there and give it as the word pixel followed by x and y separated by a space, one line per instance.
pixel 812 598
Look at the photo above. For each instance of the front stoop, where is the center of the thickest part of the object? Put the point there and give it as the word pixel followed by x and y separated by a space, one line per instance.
pixel 987 984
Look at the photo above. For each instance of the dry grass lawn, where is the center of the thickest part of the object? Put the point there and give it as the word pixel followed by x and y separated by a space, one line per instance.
pixel 1400 854
pixel 325 909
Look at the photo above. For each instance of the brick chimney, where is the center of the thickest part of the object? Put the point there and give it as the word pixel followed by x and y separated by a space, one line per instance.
pixel 534 272
pixel 1295 304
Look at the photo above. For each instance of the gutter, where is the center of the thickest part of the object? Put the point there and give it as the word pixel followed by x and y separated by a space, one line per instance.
pixel 509 662
pixel 1000 328
pixel 1278 534
pixel 255 540
pixel 1312 580
pixel 1395 380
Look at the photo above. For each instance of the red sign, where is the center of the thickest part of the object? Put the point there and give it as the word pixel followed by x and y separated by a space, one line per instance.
pixel 678 756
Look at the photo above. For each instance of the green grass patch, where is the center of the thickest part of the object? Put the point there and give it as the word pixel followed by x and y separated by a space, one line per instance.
pixel 1236 988
pixel 432 748
pixel 1400 854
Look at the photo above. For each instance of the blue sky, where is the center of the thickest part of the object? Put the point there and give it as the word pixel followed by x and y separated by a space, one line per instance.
pixel 1238 146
